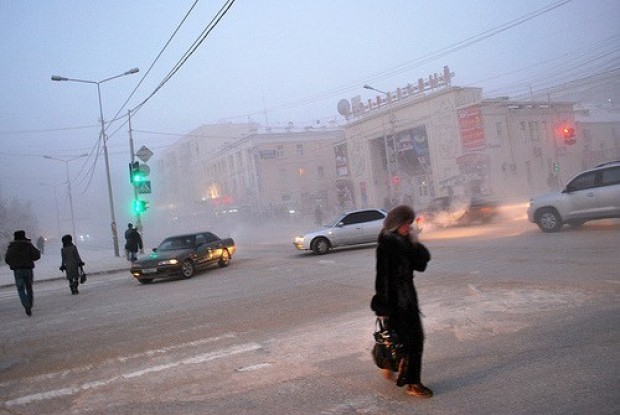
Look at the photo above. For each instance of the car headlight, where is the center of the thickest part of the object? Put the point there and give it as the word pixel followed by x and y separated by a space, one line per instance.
pixel 168 262
pixel 299 240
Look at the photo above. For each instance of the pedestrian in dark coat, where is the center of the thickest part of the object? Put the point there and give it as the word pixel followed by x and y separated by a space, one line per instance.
pixel 71 262
pixel 20 256
pixel 127 232
pixel 399 253
pixel 134 243
pixel 41 244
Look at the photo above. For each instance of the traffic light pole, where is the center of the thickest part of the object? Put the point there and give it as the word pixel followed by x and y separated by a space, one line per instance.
pixel 132 159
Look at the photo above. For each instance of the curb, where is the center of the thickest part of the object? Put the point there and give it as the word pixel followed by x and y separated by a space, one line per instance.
pixel 109 271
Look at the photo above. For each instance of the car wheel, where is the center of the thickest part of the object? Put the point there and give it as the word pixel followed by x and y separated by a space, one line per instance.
pixel 145 280
pixel 548 220
pixel 224 259
pixel 320 246
pixel 187 269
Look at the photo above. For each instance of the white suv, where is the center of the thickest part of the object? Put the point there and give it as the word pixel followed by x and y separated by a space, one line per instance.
pixel 593 194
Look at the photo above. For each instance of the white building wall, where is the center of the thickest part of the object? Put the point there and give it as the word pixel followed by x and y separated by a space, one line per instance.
pixel 520 147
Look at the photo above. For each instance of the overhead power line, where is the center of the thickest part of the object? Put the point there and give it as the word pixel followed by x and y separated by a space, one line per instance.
pixel 208 29
pixel 148 71
pixel 214 22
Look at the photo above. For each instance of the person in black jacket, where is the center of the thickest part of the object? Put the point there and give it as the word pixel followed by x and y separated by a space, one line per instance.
pixel 134 243
pixel 71 262
pixel 20 256
pixel 127 232
pixel 399 253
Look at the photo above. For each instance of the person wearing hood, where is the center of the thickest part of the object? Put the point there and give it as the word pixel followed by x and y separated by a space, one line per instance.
pixel 134 243
pixel 398 255
pixel 20 256
pixel 71 262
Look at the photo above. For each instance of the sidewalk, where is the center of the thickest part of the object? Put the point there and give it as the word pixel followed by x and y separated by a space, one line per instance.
pixel 97 260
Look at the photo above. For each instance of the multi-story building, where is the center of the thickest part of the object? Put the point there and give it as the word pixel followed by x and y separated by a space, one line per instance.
pixel 179 172
pixel 409 146
pixel 272 173
pixel 449 140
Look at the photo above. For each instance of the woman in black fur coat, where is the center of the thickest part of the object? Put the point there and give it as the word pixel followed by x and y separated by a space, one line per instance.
pixel 398 255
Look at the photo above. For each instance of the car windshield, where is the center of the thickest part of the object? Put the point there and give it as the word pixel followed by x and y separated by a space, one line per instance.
pixel 177 242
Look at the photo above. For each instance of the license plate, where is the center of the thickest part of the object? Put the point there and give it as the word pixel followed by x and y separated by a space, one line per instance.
pixel 149 270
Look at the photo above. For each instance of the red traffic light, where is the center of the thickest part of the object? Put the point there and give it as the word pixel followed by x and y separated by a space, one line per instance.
pixel 568 132
pixel 569 135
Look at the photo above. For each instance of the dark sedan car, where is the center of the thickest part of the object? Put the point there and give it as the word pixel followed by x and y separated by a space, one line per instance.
pixel 182 255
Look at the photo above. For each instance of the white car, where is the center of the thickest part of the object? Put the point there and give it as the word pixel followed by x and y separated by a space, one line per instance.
pixel 593 194
pixel 350 228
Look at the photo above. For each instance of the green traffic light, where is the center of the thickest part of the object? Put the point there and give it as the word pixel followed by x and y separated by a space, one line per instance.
pixel 138 173
pixel 139 206
pixel 138 177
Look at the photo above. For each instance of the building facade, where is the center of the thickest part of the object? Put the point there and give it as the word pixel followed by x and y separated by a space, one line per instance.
pixel 275 174
pixel 410 148
pixel 179 173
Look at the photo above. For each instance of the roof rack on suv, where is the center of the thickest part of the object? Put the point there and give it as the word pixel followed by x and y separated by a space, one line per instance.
pixel 608 163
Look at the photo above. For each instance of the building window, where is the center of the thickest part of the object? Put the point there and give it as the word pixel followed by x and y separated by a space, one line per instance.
pixel 282 176
pixel 321 171
pixel 302 172
pixel 300 150
pixel 523 131
pixel 422 187
pixel 280 152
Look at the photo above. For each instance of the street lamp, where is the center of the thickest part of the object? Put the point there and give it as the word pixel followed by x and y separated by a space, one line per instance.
pixel 66 161
pixel 105 142
pixel 366 86
pixel 385 144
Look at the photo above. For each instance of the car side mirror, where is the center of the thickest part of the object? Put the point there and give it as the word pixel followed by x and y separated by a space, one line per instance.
pixel 339 224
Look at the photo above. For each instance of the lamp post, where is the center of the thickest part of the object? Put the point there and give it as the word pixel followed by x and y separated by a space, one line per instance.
pixel 385 143
pixel 105 142
pixel 66 161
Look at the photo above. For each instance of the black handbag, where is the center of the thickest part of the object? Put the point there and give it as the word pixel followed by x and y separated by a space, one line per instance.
pixel 387 350
pixel 82 275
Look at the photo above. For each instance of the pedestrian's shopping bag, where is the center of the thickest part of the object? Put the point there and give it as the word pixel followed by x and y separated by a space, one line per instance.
pixel 82 275
pixel 387 350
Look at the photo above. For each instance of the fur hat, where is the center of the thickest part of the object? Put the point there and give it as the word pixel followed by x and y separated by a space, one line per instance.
pixel 67 239
pixel 399 215
pixel 20 235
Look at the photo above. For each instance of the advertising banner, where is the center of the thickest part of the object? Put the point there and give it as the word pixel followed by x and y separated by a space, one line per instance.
pixel 342 167
pixel 472 130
